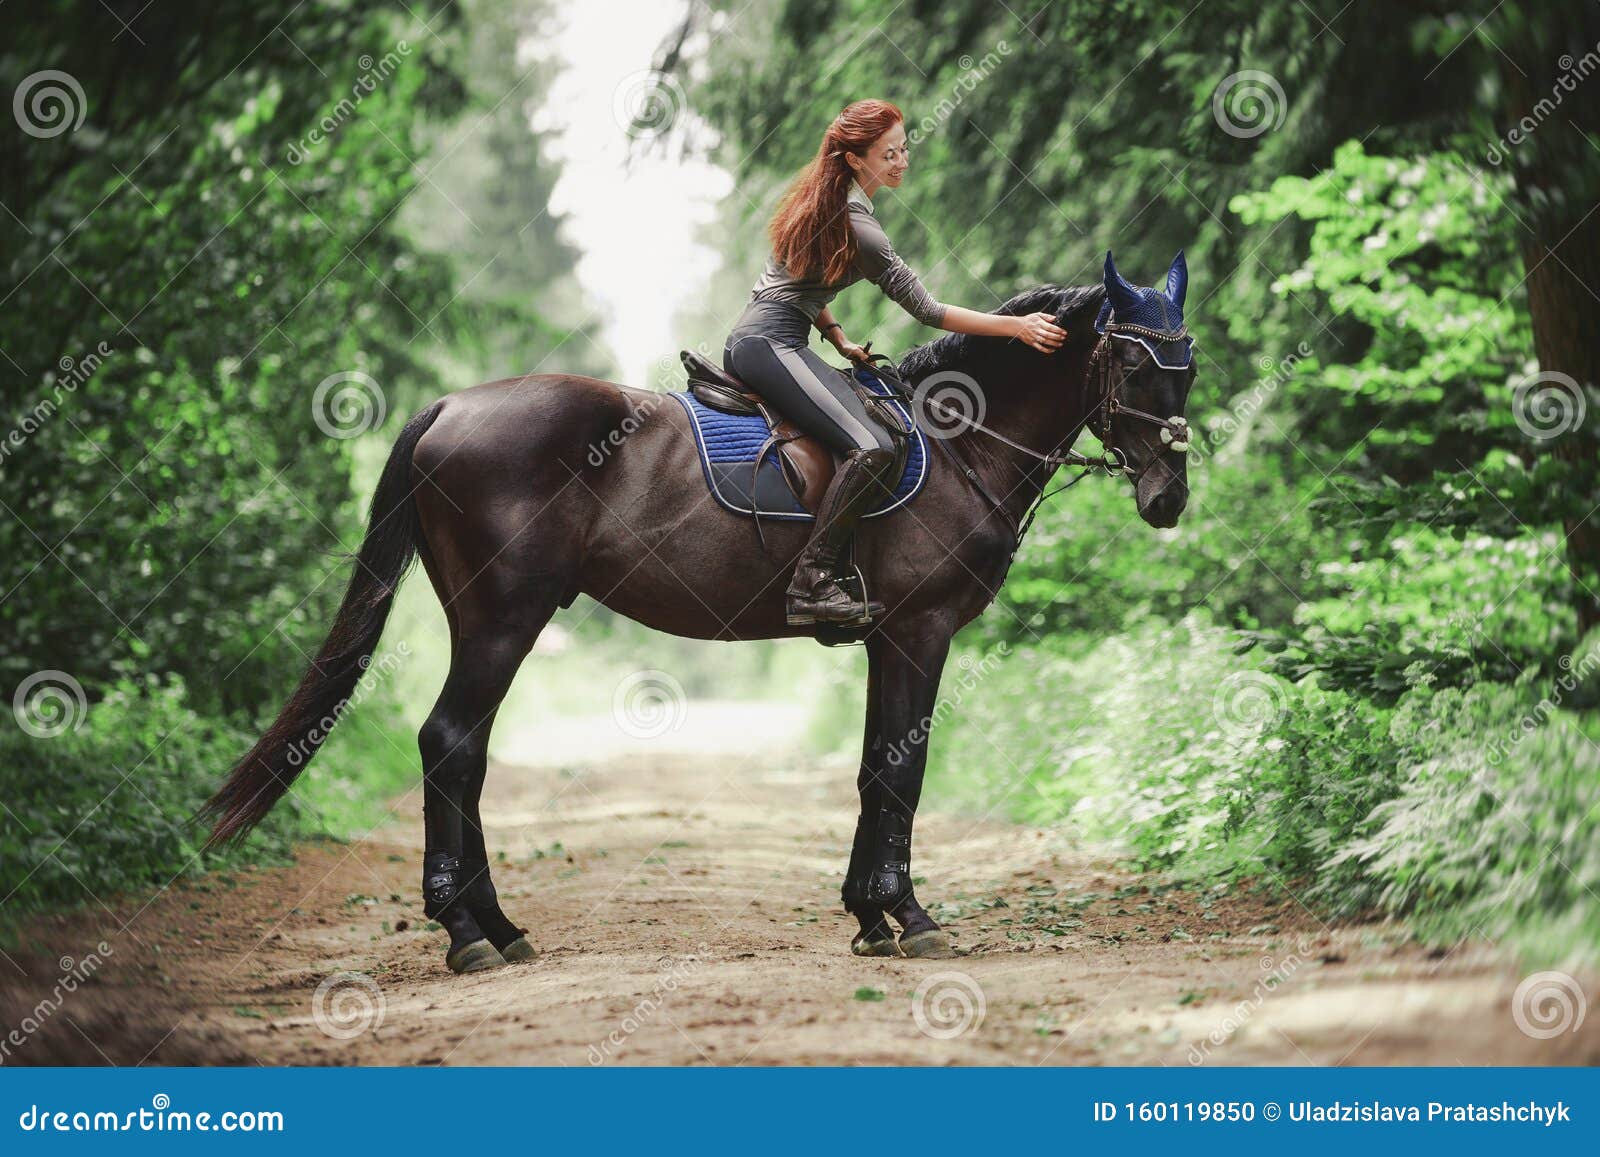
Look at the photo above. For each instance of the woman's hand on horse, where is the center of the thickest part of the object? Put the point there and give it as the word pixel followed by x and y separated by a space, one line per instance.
pixel 1041 332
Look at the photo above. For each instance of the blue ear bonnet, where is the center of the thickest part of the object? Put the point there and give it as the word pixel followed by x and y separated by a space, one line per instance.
pixel 1154 309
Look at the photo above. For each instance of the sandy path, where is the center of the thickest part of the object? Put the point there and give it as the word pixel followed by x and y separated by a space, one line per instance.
pixel 686 908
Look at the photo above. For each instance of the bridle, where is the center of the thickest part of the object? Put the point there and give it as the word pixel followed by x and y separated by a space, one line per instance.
pixel 1174 431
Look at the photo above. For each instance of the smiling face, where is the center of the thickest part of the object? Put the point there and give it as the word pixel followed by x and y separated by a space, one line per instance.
pixel 884 162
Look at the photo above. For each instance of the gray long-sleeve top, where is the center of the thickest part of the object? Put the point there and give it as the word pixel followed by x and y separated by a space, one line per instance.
pixel 876 261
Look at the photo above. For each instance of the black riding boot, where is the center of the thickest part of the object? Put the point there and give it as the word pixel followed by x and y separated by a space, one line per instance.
pixel 814 596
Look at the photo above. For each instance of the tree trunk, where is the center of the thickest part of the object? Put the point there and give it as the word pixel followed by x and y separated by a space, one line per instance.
pixel 1557 171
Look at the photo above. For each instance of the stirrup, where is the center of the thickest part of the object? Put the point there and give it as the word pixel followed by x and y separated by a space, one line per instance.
pixel 852 586
pixel 856 615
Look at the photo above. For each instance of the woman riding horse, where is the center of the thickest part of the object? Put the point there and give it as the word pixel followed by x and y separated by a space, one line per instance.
pixel 499 492
pixel 824 238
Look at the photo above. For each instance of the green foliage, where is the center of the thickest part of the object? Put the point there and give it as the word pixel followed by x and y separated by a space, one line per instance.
pixel 180 285
pixel 1464 809
pixel 1489 833
pixel 228 231
pixel 1441 464
pixel 107 805
pixel 1398 249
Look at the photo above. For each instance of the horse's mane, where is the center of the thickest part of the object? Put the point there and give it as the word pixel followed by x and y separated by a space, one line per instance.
pixel 1064 302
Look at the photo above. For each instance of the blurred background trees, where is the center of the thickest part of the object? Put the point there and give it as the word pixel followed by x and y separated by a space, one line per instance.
pixel 236 239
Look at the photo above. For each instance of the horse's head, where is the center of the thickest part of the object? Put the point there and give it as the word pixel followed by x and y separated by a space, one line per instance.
pixel 1142 368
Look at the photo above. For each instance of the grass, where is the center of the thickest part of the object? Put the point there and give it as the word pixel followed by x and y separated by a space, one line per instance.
pixel 108 806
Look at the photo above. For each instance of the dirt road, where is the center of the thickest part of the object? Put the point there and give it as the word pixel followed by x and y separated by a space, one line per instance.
pixel 686 909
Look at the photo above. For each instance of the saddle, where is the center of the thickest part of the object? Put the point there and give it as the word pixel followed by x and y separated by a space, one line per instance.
pixel 807 466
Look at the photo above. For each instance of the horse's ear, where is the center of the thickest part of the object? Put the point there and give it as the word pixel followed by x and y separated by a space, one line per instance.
pixel 1119 291
pixel 1178 280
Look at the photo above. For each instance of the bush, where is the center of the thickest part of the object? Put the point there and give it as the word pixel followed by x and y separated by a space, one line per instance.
pixel 108 806
pixel 1492 830
pixel 1466 810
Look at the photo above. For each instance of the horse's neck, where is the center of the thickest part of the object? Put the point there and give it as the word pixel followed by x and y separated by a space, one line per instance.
pixel 1040 414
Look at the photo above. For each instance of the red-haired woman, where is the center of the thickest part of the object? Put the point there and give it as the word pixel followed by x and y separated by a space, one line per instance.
pixel 825 237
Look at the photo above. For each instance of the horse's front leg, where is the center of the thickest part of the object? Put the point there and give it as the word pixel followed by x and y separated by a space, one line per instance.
pixel 903 689
pixel 876 937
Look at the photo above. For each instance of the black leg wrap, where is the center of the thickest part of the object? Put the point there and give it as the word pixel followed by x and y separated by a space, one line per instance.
pixel 854 890
pixel 890 881
pixel 444 897
pixel 441 882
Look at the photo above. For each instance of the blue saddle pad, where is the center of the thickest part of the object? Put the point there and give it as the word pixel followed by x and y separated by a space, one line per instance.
pixel 728 445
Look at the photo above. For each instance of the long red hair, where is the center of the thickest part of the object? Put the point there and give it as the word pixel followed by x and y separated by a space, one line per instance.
pixel 811 229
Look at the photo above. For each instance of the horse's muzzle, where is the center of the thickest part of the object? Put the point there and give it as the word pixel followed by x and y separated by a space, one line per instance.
pixel 1164 510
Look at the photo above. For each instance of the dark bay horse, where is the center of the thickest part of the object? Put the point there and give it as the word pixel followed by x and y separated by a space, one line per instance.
pixel 500 491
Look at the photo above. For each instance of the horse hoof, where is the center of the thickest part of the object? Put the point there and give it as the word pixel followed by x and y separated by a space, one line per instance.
pixel 519 951
pixel 886 946
pixel 475 957
pixel 932 944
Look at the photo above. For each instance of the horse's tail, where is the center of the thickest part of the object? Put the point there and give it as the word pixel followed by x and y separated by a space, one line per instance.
pixel 261 778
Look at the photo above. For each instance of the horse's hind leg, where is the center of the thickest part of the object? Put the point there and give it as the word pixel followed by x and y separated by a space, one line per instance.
pixel 481 899
pixel 455 743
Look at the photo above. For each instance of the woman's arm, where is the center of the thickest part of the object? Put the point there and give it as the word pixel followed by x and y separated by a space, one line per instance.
pixel 880 264
pixel 834 332
pixel 829 326
pixel 1037 329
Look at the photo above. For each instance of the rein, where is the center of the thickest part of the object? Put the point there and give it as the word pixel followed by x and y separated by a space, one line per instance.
pixel 1174 431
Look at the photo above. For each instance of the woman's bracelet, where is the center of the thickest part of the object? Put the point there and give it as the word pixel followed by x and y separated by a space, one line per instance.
pixel 831 325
